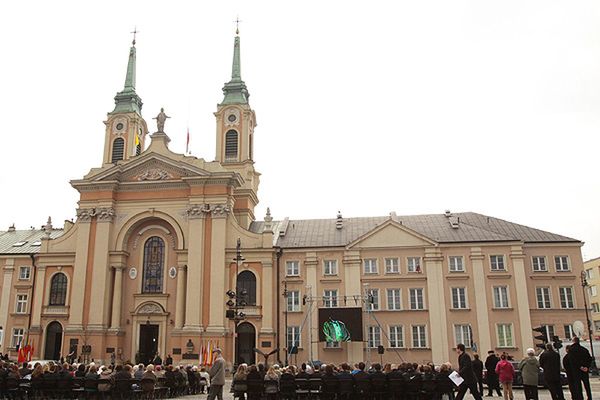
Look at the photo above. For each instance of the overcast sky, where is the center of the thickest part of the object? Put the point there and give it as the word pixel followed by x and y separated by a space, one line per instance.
pixel 364 107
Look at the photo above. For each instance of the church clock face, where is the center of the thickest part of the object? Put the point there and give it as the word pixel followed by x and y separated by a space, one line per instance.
pixel 232 117
pixel 119 126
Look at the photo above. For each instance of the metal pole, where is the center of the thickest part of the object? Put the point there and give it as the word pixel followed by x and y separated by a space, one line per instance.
pixel 285 295
pixel 584 284
pixel 368 349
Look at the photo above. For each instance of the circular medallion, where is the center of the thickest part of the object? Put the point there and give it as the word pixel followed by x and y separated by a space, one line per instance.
pixel 231 118
pixel 119 126
pixel 132 273
pixel 172 272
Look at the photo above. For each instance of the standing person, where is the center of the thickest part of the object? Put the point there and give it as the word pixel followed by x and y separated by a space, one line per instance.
pixel 217 377
pixel 478 369
pixel 493 382
pixel 505 373
pixel 465 370
pixel 582 361
pixel 168 360
pixel 530 370
pixel 572 375
pixel 550 363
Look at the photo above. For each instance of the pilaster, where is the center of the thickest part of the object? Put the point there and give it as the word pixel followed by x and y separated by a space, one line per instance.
pixel 193 292
pixel 312 263
pixel 115 323
pixel 180 296
pixel 79 270
pixel 36 311
pixel 517 257
pixel 100 288
pixel 267 300
pixel 480 299
pixel 216 319
pixel 352 282
pixel 438 320
pixel 9 269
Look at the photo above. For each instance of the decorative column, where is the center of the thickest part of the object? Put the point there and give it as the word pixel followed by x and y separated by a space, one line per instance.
pixel 216 316
pixel 438 321
pixel 267 300
pixel 36 312
pixel 84 219
pixel 480 300
pixel 517 257
pixel 115 323
pixel 311 261
pixel 180 296
pixel 352 282
pixel 9 268
pixel 193 292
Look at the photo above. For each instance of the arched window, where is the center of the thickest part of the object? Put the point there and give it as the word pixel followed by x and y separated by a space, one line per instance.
pixel 154 260
pixel 247 281
pixel 118 149
pixel 231 145
pixel 58 290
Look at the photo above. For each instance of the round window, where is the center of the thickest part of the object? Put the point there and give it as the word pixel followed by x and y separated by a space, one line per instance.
pixel 119 126
pixel 231 118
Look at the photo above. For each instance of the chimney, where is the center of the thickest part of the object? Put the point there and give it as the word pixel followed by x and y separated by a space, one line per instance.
pixel 339 223
pixel 448 214
pixel 12 228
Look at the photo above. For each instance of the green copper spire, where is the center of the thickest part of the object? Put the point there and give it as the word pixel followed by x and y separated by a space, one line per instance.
pixel 127 100
pixel 235 90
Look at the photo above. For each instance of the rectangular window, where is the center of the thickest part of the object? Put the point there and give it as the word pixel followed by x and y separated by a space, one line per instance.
pixel 393 299
pixel 462 334
pixel 330 267
pixel 595 307
pixel 392 266
pixel 416 299
pixel 456 264
pixel 330 298
pixel 332 345
pixel 593 291
pixel 21 304
pixel 459 297
pixel 293 300
pixel 17 337
pixel 569 331
pixel 505 335
pixel 374 336
pixel 292 268
pixel 419 337
pixel 373 299
pixel 501 297
pixel 413 264
pixel 497 263
pixel 539 264
pixel 542 295
pixel 370 265
pixel 293 336
pixel 561 263
pixel 566 297
pixel 24 273
pixel 589 274
pixel 396 336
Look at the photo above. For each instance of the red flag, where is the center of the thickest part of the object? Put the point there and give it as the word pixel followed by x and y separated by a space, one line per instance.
pixel 187 143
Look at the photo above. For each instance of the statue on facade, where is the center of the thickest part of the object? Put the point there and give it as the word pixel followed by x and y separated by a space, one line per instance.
pixel 160 120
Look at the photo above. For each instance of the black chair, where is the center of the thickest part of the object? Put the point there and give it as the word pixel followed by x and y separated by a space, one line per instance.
pixel 90 388
pixel 397 386
pixel 255 389
pixel 239 387
pixel 330 387
pixel 287 387
pixel 12 388
pixel 302 388
pixel 271 389
pixel 363 388
pixel 122 389
pixel 379 384
pixel 314 387
pixel 428 388
pixel 147 386
pixel 414 387
pixel 346 382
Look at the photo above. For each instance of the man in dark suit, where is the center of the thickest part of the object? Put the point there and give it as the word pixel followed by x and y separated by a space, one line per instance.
pixel 465 370
pixel 478 369
pixel 581 361
pixel 492 377
pixel 550 363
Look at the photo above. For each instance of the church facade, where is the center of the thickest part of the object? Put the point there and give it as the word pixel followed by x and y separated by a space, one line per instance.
pixel 156 246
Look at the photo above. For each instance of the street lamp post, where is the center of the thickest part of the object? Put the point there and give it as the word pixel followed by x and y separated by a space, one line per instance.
pixel 584 284
pixel 236 301
pixel 285 296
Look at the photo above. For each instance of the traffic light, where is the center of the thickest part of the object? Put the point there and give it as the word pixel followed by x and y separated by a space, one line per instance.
pixel 557 342
pixel 543 336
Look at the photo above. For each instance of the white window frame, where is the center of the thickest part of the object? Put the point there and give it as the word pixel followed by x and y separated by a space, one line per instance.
pixel 459 303
pixel 419 339
pixel 543 298
pixel 568 331
pixel 589 273
pixel 413 295
pixel 18 335
pixel 595 307
pixel 396 301
pixel 330 267
pixel 501 337
pixel 373 336
pixel 292 333
pixel 332 345
pixel 456 264
pixel 463 333
pixel 295 268
pixel 374 293
pixel 413 265
pixel 396 336
pixel 593 290
pixel 22 269
pixel 501 288
pixel 494 262
pixel 330 298
pixel 565 302
pixel 293 300
pixel 538 264
pixel 562 263
pixel 370 266
pixel 392 265
pixel 21 303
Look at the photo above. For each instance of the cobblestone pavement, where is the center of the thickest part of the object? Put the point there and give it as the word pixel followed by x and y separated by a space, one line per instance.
pixel 518 393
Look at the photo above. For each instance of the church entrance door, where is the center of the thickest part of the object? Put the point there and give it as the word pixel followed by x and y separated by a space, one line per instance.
pixel 245 343
pixel 54 333
pixel 148 343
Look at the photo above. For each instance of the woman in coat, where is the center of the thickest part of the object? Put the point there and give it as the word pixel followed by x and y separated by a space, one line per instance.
pixel 506 373
pixel 530 369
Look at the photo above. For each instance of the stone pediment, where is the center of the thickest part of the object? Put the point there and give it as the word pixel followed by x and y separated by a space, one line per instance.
pixel 391 234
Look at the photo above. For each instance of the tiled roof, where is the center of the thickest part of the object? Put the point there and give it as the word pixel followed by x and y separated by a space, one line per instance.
pixel 29 239
pixel 472 227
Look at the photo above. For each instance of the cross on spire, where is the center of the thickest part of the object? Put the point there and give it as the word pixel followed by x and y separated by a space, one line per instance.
pixel 135 31
pixel 237 25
